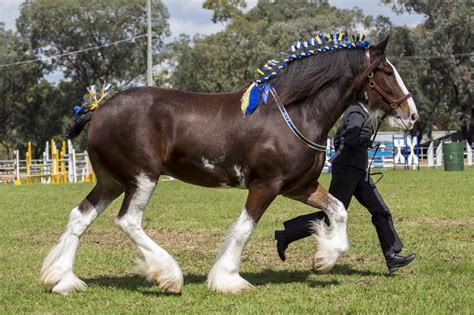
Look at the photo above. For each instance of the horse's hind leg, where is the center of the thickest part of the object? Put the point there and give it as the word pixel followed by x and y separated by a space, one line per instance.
pixel 157 266
pixel 57 267
pixel 224 275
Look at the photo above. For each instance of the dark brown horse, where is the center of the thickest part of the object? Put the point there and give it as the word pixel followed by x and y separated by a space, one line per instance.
pixel 142 133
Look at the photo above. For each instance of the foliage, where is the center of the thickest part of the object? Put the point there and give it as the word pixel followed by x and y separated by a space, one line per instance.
pixel 15 83
pixel 442 82
pixel 190 222
pixel 224 10
pixel 41 117
pixel 251 38
pixel 33 109
pixel 56 27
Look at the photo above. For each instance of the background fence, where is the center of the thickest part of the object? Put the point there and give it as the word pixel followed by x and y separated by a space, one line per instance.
pixel 60 163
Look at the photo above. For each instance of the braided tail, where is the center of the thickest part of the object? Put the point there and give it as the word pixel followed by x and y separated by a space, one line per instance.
pixel 75 126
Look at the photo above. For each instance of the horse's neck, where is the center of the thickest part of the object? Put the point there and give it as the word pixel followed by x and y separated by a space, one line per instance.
pixel 316 116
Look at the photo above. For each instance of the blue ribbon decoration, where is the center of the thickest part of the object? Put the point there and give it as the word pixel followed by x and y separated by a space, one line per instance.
pixel 77 110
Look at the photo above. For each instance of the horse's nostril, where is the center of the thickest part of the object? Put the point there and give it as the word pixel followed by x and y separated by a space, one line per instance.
pixel 414 117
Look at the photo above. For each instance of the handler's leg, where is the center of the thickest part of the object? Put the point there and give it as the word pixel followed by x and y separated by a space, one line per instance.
pixel 368 195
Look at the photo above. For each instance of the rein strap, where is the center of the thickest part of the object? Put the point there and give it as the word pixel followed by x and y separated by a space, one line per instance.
pixel 289 122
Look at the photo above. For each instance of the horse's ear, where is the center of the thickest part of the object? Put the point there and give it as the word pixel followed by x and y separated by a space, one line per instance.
pixel 382 45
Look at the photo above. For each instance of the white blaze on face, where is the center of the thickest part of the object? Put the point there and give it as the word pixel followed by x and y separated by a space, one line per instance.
pixel 411 102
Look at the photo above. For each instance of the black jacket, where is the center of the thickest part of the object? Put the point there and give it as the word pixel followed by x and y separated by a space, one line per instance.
pixel 352 139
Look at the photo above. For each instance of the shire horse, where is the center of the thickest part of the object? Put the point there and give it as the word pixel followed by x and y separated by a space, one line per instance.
pixel 142 133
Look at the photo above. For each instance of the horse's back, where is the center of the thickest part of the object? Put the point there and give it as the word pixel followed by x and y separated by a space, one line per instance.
pixel 146 127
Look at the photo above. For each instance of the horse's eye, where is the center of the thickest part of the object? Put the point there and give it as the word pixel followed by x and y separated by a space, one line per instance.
pixel 387 69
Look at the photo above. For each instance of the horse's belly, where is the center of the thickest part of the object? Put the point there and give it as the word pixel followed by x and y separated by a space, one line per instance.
pixel 206 172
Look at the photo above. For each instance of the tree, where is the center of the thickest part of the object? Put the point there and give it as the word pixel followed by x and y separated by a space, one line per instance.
pixel 41 116
pixel 14 82
pixel 58 27
pixel 224 61
pixel 224 10
pixel 443 78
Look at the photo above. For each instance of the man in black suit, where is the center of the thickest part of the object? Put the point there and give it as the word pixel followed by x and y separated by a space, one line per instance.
pixel 350 178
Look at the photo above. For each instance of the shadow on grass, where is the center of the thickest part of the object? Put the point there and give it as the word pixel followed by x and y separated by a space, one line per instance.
pixel 130 283
pixel 139 284
pixel 269 276
pixel 349 271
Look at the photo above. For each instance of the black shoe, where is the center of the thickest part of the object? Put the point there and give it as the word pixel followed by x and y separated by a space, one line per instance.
pixel 394 262
pixel 282 244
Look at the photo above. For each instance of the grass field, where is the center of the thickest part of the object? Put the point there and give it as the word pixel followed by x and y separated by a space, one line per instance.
pixel 433 213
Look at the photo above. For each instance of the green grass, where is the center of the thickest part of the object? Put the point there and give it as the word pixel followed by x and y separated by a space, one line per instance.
pixel 432 212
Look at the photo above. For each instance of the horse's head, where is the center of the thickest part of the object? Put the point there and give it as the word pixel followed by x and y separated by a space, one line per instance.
pixel 386 91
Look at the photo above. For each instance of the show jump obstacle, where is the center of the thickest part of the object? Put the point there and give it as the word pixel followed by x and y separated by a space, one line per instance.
pixel 56 166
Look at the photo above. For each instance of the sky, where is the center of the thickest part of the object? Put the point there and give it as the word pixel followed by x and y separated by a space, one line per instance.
pixel 188 16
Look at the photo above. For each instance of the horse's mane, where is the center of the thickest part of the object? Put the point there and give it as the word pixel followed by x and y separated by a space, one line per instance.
pixel 308 68
pixel 310 76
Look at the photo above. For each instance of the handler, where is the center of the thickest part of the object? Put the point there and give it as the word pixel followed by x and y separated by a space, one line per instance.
pixel 350 177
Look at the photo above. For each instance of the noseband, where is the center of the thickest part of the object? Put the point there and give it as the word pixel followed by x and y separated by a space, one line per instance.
pixel 393 103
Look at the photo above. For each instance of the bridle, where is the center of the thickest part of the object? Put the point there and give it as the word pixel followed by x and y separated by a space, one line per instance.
pixel 393 103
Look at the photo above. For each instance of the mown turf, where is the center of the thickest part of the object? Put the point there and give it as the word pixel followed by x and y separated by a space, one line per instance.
pixel 432 212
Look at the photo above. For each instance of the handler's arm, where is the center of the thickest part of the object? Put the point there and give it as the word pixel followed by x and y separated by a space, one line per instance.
pixel 352 135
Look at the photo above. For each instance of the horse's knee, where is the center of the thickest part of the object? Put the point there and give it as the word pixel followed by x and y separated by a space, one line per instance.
pixel 127 225
pixel 79 220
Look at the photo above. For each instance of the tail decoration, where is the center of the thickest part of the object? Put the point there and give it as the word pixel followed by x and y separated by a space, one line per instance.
pixel 299 49
pixel 83 113
pixel 95 99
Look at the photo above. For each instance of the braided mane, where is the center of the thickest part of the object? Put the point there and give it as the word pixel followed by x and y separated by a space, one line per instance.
pixel 315 45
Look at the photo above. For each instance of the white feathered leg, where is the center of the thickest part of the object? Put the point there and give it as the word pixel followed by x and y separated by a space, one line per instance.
pixel 57 267
pixel 224 275
pixel 331 241
pixel 157 266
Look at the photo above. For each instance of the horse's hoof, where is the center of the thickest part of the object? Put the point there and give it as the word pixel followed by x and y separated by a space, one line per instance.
pixel 69 284
pixel 171 286
pixel 323 265
pixel 321 269
pixel 169 279
pixel 228 283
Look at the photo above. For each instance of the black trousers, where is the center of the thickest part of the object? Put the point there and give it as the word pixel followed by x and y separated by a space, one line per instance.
pixel 346 182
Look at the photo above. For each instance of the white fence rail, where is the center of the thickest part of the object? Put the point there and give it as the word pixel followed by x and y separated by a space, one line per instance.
pixel 405 152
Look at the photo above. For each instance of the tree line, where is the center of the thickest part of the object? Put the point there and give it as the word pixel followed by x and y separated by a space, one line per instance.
pixel 435 57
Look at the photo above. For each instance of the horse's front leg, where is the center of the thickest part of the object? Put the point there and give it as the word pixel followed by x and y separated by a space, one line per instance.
pixel 331 241
pixel 224 275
